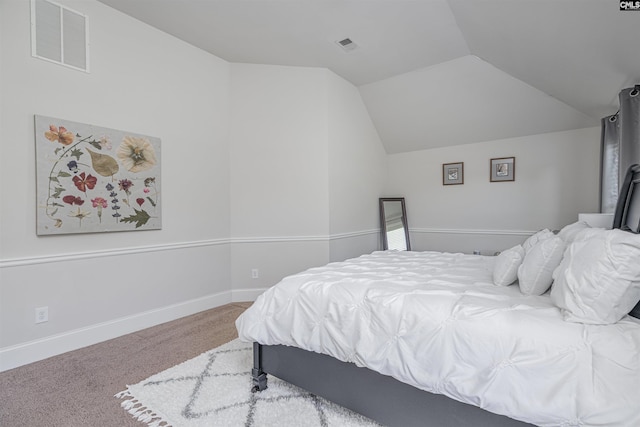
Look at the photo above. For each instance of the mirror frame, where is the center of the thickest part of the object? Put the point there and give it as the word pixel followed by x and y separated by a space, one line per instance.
pixel 383 223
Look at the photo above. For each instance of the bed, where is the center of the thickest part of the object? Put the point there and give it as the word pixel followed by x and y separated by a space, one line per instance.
pixel 440 339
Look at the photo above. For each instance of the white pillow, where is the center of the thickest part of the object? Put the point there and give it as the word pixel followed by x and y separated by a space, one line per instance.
pixel 505 271
pixel 535 238
pixel 569 232
pixel 598 281
pixel 535 275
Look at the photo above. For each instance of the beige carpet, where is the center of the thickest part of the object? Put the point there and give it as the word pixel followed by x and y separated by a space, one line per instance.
pixel 76 389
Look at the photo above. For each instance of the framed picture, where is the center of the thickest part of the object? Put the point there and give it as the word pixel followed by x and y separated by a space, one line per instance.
pixel 453 173
pixel 92 179
pixel 503 169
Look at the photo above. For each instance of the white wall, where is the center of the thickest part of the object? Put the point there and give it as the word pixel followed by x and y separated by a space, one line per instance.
pixel 273 168
pixel 357 172
pixel 556 177
pixel 279 216
pixel 100 285
pixel 278 151
pixel 307 167
pixel 258 165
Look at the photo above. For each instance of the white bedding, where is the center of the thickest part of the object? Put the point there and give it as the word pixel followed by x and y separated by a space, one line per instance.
pixel 436 321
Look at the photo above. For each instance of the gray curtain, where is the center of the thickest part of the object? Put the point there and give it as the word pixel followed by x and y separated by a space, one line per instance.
pixel 610 163
pixel 620 146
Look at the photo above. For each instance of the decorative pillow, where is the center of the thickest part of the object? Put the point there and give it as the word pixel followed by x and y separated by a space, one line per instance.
pixel 535 238
pixel 505 271
pixel 569 232
pixel 598 281
pixel 535 275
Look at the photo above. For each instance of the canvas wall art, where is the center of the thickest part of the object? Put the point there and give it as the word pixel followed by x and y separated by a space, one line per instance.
pixel 92 179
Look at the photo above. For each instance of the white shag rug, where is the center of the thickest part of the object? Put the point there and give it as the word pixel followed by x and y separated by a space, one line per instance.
pixel 214 389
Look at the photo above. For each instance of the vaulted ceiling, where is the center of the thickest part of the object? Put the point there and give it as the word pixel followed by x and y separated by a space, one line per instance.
pixel 432 73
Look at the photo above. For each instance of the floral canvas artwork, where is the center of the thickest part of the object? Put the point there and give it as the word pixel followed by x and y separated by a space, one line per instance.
pixel 92 179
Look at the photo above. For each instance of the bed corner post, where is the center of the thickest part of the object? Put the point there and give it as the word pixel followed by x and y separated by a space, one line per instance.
pixel 257 374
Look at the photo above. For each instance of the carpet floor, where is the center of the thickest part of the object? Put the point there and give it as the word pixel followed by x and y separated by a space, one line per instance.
pixel 76 389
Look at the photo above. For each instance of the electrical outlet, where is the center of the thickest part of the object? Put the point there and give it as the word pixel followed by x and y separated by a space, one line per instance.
pixel 255 273
pixel 42 314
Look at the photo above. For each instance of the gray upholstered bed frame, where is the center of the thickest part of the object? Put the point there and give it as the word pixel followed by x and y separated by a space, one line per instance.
pixel 379 397
pixel 385 399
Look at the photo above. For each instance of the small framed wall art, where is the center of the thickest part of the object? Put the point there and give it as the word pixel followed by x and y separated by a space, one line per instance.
pixel 503 169
pixel 453 173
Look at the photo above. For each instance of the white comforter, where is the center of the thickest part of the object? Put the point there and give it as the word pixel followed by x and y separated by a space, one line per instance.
pixel 435 321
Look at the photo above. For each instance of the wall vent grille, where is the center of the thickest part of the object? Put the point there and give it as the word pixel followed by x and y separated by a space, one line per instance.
pixel 59 35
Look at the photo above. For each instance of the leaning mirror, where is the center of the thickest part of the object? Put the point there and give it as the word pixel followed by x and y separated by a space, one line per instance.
pixel 393 224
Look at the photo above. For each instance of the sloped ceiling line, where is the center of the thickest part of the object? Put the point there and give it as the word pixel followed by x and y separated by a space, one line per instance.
pixel 547 65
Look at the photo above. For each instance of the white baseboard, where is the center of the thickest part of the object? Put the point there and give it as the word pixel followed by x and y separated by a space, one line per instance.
pixel 241 295
pixel 33 351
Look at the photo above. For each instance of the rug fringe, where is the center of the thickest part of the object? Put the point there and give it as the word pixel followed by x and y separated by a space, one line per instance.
pixel 139 411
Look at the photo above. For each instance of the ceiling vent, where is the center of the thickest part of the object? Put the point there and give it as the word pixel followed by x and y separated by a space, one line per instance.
pixel 347 44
